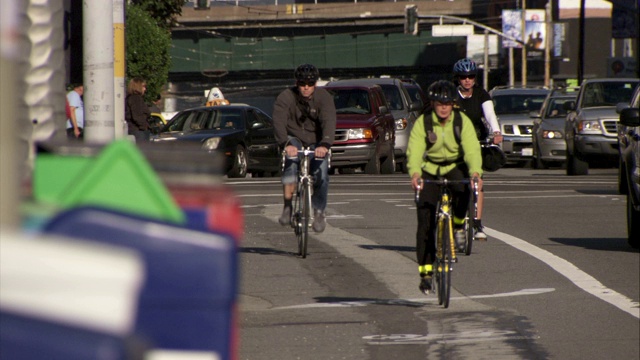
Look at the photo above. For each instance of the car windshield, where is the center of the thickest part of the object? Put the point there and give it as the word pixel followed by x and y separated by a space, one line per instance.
pixel 392 94
pixel 207 119
pixel 414 92
pixel 351 101
pixel 518 103
pixel 607 93
pixel 556 107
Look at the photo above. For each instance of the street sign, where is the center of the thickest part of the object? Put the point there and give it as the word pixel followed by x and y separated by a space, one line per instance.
pixel 451 30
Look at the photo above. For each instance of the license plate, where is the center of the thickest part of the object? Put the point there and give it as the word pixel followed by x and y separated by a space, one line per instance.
pixel 527 152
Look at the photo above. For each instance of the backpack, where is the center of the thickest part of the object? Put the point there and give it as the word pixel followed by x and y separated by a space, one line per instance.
pixel 457 127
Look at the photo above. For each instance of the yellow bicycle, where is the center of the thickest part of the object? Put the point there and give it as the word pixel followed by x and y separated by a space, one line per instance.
pixel 445 244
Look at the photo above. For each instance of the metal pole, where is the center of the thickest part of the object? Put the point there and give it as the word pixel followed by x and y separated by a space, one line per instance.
pixel 11 12
pixel 98 72
pixel 118 69
pixel 547 46
pixel 511 73
pixel 524 48
pixel 485 80
pixel 581 43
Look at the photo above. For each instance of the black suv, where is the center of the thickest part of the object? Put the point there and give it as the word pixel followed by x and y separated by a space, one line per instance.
pixel 629 169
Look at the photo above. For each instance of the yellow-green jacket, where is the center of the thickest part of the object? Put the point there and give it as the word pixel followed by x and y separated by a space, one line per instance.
pixel 445 149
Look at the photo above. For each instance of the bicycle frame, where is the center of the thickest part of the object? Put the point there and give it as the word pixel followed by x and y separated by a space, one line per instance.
pixel 301 214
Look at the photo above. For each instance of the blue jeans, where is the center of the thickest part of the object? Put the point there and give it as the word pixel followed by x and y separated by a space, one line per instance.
pixel 319 169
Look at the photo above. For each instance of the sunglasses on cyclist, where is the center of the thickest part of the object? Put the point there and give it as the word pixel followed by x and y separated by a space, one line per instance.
pixel 464 77
pixel 306 83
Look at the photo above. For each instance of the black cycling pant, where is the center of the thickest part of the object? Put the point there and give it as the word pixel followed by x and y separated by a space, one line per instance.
pixel 426 209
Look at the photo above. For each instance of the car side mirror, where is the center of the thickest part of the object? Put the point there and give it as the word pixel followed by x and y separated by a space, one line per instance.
pixel 621 106
pixel 383 109
pixel 257 125
pixel 630 116
pixel 416 106
pixel 569 106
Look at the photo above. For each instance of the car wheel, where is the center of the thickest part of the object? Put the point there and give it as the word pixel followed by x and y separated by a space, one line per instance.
pixel 373 166
pixel 388 166
pixel 633 224
pixel 576 166
pixel 622 178
pixel 239 168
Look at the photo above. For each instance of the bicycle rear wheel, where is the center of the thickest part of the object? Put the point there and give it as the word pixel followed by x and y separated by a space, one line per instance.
pixel 305 206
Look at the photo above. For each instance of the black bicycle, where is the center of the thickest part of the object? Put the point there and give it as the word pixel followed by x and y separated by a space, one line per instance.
pixel 301 217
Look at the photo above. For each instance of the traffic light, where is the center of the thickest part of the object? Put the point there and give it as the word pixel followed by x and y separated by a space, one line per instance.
pixel 411 20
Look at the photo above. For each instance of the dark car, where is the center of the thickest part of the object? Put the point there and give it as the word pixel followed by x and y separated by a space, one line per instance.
pixel 629 170
pixel 416 94
pixel 365 129
pixel 549 146
pixel 404 110
pixel 591 125
pixel 513 106
pixel 243 133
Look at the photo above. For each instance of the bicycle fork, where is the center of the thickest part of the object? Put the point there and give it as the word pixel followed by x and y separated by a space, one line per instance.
pixel 445 216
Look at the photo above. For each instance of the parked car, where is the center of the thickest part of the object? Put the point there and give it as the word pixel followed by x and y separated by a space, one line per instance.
pixel 156 122
pixel 629 169
pixel 365 129
pixel 591 125
pixel 548 129
pixel 243 133
pixel 513 106
pixel 404 111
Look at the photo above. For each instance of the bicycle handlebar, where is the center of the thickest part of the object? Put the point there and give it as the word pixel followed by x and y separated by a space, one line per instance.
pixel 445 182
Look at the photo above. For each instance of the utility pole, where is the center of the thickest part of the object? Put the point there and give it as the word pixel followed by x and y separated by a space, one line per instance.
pixel 97 34
pixel 524 47
pixel 118 69
pixel 547 45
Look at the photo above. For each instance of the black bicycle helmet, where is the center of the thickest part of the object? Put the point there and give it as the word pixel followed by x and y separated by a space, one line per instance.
pixel 465 66
pixel 307 72
pixel 493 158
pixel 443 91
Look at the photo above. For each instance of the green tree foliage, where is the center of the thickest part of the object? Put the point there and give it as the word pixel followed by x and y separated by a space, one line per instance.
pixel 147 50
pixel 163 11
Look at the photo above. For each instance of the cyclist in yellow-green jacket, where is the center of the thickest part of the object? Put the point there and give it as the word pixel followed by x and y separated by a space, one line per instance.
pixel 443 144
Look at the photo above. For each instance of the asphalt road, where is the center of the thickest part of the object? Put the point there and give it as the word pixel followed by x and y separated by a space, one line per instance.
pixel 555 280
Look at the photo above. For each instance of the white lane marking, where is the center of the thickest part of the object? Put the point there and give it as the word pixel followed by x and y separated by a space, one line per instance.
pixel 451 338
pixel 581 279
pixel 416 301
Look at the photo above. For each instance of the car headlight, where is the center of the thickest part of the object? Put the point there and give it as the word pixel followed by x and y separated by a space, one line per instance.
pixel 589 127
pixel 401 124
pixel 357 134
pixel 211 143
pixel 551 134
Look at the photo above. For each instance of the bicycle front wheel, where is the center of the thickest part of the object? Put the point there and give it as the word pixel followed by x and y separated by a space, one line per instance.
pixel 305 214
pixel 445 263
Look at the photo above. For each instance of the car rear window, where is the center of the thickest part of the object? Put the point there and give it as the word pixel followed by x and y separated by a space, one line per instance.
pixel 207 119
pixel 351 101
pixel 518 103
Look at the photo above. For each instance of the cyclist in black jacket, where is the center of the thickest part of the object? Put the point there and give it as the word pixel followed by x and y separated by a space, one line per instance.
pixel 304 115
pixel 476 103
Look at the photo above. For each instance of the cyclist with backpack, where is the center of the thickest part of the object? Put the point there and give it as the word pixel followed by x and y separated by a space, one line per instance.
pixel 443 143
pixel 476 103
pixel 304 115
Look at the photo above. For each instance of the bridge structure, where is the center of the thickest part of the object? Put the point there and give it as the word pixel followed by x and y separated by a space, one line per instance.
pixel 247 40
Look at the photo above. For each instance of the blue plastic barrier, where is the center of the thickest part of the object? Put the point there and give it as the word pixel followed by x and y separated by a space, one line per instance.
pixel 187 302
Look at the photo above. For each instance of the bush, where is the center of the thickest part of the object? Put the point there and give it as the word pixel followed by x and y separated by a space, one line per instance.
pixel 147 50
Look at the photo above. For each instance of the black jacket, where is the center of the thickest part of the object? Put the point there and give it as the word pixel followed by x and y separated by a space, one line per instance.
pixel 136 113
pixel 312 121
